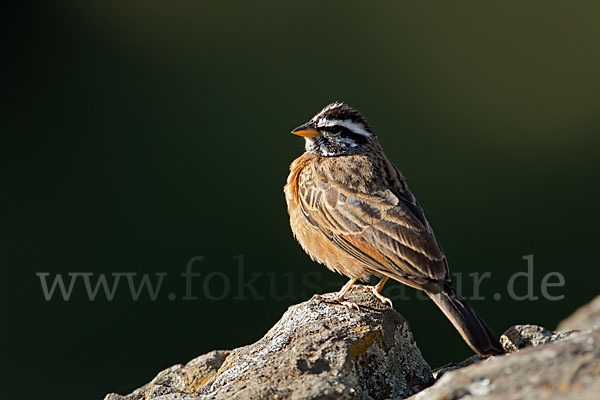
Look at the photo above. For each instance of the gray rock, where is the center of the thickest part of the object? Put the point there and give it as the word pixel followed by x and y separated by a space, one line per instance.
pixel 553 365
pixel 512 340
pixel 474 359
pixel 585 317
pixel 318 350
pixel 179 381
pixel 521 336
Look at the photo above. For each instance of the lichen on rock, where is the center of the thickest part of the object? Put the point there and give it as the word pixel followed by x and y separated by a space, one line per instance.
pixel 317 350
pixel 322 350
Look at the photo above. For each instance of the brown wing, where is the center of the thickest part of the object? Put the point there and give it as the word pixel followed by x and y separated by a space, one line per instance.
pixel 386 231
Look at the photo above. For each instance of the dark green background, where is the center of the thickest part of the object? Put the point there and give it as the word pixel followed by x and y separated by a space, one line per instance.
pixel 139 134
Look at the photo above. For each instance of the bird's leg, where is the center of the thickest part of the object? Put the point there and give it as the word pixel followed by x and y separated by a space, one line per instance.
pixel 339 297
pixel 377 289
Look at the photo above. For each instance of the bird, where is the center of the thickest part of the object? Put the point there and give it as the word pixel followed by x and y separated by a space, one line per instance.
pixel 351 210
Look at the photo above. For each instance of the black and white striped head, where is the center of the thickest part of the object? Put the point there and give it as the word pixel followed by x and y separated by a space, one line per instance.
pixel 337 130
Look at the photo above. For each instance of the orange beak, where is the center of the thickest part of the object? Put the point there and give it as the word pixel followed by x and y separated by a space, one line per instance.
pixel 306 130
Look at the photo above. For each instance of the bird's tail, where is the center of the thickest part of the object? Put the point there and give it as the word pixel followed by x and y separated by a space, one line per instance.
pixel 467 322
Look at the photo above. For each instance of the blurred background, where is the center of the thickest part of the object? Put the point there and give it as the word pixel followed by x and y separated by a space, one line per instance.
pixel 139 135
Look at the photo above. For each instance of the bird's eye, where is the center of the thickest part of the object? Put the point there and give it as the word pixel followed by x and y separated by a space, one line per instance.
pixel 341 130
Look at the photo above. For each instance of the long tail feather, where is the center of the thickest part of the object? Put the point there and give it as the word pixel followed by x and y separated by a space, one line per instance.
pixel 467 322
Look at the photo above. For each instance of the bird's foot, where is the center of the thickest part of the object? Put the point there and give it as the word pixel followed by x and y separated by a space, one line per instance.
pixel 381 297
pixel 336 299
pixel 349 304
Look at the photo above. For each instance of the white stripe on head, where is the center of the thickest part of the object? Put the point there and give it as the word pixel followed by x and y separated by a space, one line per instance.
pixel 355 127
pixel 327 108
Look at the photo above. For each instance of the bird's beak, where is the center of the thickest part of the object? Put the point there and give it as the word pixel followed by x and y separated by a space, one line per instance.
pixel 306 130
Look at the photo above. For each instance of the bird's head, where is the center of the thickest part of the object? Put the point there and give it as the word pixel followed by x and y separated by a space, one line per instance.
pixel 337 130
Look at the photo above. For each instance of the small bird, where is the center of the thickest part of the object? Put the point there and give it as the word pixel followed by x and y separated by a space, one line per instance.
pixel 351 210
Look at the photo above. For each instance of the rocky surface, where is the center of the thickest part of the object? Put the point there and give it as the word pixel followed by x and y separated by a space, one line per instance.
pixel 557 366
pixel 585 317
pixel 520 336
pixel 320 350
pixel 317 350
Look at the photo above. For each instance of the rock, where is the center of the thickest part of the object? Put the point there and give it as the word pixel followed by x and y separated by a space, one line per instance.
pixel 179 379
pixel 323 350
pixel 585 317
pixel 317 350
pixel 563 365
pixel 512 340
pixel 520 336
pixel 438 372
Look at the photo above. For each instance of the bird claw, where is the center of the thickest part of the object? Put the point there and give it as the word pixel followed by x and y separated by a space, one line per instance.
pixel 349 304
pixel 381 297
pixel 320 297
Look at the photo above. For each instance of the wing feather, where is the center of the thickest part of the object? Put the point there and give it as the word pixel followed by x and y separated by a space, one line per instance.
pixel 386 231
